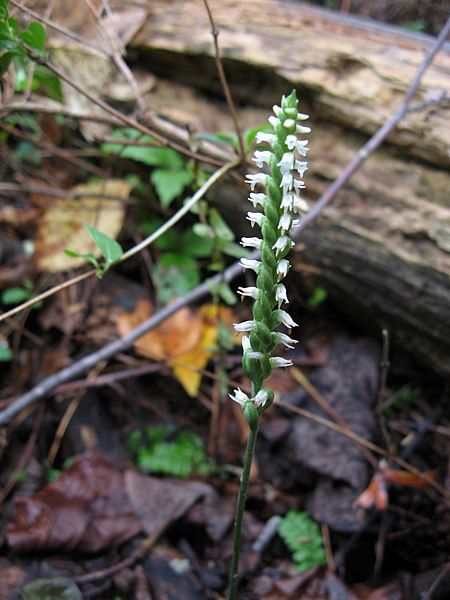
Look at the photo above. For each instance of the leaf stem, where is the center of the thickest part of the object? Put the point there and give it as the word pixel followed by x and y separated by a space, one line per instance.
pixel 248 459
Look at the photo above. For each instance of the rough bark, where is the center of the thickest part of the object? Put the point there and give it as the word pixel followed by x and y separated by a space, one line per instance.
pixel 349 71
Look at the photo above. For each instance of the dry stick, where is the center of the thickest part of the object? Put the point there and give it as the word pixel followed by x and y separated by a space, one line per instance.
pixel 135 249
pixel 223 79
pixel 214 154
pixel 87 362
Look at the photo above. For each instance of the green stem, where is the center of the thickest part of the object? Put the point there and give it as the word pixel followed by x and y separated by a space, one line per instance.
pixel 232 594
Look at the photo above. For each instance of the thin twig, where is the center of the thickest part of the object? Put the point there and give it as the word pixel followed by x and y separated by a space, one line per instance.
pixel 326 406
pixel 87 362
pixel 223 79
pixel 159 139
pixel 58 27
pixel 361 442
pixel 384 370
pixel 382 133
pixel 135 249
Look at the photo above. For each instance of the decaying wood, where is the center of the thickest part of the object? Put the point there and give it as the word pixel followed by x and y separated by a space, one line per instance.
pixel 348 71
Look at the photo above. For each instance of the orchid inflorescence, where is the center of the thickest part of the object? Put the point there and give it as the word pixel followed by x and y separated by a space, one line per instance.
pixel 281 204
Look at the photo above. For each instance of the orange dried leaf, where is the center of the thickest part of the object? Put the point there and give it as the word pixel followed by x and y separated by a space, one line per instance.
pixel 186 339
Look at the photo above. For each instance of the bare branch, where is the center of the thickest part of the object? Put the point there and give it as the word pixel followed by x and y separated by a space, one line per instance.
pixel 223 79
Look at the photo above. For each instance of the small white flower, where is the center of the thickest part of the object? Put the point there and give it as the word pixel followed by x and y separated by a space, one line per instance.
pixel 251 292
pixel 274 121
pixel 255 217
pixel 281 294
pixel 262 156
pixel 246 343
pixel 302 147
pixel 284 339
pixel 285 223
pixel 302 117
pixel 251 242
pixel 277 110
pixel 283 267
pixel 292 142
pixel 244 326
pixel 283 243
pixel 261 398
pixel 239 397
pixel 298 185
pixel 256 199
pixel 287 182
pixel 286 163
pixel 289 123
pixel 248 263
pixel 301 167
pixel 300 205
pixel 302 129
pixel 278 361
pixel 255 178
pixel 287 201
pixel 268 138
pixel 285 319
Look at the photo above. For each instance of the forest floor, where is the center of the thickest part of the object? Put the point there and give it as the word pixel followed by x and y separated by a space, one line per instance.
pixel 122 483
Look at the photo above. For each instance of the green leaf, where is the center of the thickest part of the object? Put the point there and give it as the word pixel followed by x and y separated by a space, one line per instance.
pixel 304 539
pixel 221 229
pixel 203 230
pixel 176 274
pixel 180 458
pixel 5 61
pixel 5 353
pixel 229 138
pixel 34 36
pixel 226 293
pixel 15 295
pixel 111 250
pixel 194 245
pixel 317 297
pixel 169 184
pixel 250 134
pixel 233 249
pixel 154 156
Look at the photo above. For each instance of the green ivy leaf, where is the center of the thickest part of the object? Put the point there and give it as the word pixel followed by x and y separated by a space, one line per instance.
pixel 169 184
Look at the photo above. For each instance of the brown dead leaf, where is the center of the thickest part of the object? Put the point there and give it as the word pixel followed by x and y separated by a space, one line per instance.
pixel 185 339
pixel 157 501
pixel 85 509
pixel 62 225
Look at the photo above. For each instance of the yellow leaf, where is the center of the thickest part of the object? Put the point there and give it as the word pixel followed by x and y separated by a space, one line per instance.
pixel 186 339
pixel 62 225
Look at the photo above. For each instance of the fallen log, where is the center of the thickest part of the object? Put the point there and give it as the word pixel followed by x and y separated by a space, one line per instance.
pixel 382 249
pixel 351 71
